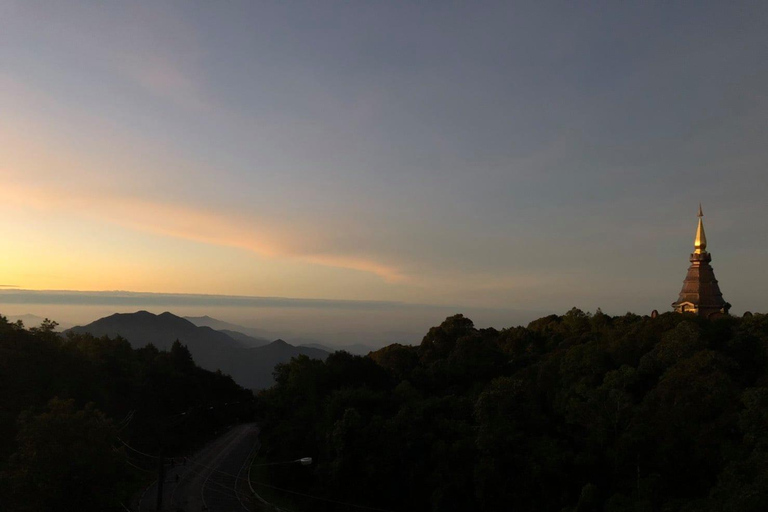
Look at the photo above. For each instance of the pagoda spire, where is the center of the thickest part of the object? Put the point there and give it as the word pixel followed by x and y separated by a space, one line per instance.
pixel 701 293
pixel 700 244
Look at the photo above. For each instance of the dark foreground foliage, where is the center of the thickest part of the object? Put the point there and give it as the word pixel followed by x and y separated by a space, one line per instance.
pixel 76 411
pixel 573 413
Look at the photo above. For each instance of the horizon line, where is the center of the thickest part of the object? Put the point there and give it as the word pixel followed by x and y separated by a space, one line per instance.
pixel 127 297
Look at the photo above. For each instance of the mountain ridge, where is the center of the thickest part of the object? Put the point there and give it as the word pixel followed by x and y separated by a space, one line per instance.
pixel 221 325
pixel 249 366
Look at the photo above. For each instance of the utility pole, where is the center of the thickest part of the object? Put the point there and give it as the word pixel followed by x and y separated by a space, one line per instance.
pixel 160 480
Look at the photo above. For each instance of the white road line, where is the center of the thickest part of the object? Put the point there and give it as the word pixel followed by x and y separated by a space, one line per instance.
pixel 144 494
pixel 215 463
pixel 201 455
pixel 248 463
pixel 265 502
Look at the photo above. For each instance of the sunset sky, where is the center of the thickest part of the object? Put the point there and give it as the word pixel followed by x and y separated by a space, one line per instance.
pixel 479 154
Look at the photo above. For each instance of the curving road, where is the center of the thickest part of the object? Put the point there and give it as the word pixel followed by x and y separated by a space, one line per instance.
pixel 214 480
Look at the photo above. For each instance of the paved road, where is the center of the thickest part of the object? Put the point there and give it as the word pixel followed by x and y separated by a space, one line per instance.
pixel 214 480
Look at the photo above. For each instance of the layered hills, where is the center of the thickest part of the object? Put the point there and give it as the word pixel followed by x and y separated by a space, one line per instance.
pixel 231 352
pixel 256 337
pixel 248 335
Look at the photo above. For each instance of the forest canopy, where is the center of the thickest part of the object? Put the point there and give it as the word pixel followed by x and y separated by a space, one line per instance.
pixel 76 410
pixel 579 412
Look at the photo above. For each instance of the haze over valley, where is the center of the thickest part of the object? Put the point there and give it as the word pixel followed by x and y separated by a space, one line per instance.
pixel 335 323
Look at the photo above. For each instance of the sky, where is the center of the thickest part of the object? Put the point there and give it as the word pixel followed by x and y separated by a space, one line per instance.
pixel 495 156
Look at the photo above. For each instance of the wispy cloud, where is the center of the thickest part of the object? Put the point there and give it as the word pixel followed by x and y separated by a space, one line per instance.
pixel 161 77
pixel 141 299
pixel 267 238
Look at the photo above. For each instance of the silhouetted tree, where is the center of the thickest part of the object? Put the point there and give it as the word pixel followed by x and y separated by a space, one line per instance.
pixel 572 413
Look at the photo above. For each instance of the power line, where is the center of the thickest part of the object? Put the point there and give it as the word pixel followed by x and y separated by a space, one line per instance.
pixel 138 467
pixel 219 484
pixel 362 507
pixel 229 494
pixel 208 406
pixel 190 470
pixel 137 451
pixel 125 421
pixel 237 477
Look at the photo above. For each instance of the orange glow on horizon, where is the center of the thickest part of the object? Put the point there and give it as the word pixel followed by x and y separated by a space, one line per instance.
pixel 185 223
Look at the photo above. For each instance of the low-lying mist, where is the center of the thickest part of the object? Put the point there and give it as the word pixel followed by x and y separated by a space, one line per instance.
pixel 333 323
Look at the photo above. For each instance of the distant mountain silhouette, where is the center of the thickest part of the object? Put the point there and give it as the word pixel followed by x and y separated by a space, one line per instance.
pixel 253 337
pixel 244 339
pixel 35 320
pixel 251 367
pixel 357 349
pixel 280 348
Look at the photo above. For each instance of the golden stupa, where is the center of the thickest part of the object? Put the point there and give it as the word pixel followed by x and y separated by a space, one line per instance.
pixel 701 293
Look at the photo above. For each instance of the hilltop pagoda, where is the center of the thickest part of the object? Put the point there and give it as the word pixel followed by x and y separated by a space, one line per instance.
pixel 701 294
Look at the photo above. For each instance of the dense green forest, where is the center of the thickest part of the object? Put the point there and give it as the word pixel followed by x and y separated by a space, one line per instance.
pixel 581 412
pixel 578 413
pixel 76 410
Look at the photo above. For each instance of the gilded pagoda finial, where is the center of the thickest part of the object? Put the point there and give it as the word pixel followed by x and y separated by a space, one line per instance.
pixel 700 244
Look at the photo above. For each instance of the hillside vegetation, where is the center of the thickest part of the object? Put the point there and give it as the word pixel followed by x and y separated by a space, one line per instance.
pixel 76 410
pixel 572 413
